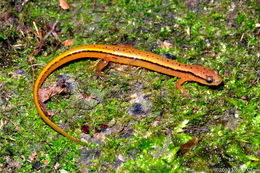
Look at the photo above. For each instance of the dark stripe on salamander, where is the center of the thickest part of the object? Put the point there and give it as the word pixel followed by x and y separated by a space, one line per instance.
pixel 114 55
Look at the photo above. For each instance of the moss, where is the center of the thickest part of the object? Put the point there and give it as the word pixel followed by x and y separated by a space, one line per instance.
pixel 221 35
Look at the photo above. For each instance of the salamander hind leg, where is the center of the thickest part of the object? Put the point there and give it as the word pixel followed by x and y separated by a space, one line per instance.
pixel 178 85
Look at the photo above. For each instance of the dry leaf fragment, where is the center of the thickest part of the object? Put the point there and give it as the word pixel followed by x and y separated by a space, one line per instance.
pixel 45 162
pixel 166 44
pixel 189 145
pixel 46 93
pixel 64 4
pixel 67 43
pixel 86 128
pixel 17 127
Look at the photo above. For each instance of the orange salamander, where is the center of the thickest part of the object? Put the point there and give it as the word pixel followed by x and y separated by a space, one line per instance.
pixel 124 55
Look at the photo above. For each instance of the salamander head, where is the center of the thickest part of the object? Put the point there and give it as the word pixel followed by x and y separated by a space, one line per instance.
pixel 210 77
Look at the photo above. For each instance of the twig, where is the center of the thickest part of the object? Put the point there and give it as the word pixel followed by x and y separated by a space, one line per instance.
pixel 39 46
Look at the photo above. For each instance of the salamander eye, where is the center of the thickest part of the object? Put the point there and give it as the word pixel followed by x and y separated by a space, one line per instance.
pixel 209 79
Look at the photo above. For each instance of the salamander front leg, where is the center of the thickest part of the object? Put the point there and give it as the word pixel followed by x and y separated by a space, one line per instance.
pixel 102 64
pixel 178 85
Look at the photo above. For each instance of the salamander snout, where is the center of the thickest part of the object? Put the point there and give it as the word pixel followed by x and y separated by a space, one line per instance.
pixel 214 79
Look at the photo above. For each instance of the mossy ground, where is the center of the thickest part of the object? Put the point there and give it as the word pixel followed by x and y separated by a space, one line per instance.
pixel 218 34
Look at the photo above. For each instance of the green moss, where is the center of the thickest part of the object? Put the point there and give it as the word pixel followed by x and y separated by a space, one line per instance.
pixel 223 35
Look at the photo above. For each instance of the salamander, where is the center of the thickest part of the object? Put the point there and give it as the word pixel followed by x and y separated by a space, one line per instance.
pixel 125 55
